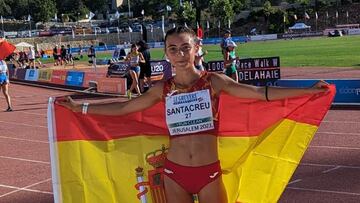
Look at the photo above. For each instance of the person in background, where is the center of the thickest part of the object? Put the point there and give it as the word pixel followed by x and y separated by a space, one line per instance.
pixel 69 57
pixel 224 41
pixel 56 55
pixel 145 72
pixel 115 56
pixel 92 56
pixel 135 58
pixel 31 56
pixel 199 57
pixel 4 83
pixel 63 55
pixel 80 52
pixel 230 61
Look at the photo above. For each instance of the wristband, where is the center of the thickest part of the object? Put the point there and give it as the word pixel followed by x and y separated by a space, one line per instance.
pixel 266 93
pixel 85 107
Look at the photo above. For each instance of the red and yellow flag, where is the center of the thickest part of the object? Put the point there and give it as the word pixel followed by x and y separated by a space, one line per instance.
pixel 117 159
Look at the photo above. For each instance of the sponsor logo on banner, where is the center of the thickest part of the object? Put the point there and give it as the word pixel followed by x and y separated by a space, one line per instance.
pixel 112 85
pixel 347 91
pixel 32 74
pixel 58 77
pixel 74 78
pixel 45 75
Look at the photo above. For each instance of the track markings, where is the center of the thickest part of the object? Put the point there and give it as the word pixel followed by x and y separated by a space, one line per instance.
pixel 326 191
pixel 27 160
pixel 334 147
pixel 329 165
pixel 22 139
pixel 294 181
pixel 23 124
pixel 331 169
pixel 335 133
pixel 17 189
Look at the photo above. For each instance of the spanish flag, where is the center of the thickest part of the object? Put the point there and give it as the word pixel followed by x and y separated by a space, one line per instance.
pixel 118 159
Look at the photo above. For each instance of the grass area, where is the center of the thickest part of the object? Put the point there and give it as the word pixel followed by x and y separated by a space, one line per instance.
pixel 318 52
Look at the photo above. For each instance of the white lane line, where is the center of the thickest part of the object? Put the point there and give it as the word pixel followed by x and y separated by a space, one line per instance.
pixel 17 189
pixel 329 165
pixel 14 123
pixel 22 139
pixel 295 181
pixel 346 122
pixel 326 191
pixel 21 159
pixel 331 169
pixel 335 133
pixel 36 114
pixel 334 147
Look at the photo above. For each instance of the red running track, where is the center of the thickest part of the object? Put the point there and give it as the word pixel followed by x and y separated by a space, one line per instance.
pixel 329 171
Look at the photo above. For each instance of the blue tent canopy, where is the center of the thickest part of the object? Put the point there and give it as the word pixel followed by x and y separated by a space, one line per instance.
pixel 299 26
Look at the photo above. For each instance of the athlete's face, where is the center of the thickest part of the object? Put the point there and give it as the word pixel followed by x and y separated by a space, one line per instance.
pixel 180 49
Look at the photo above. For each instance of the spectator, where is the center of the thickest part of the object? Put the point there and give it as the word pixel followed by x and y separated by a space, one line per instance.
pixel 199 57
pixel 145 68
pixel 80 52
pixel 92 56
pixel 56 55
pixel 31 56
pixel 63 55
pixel 226 38
pixel 230 60
pixel 69 57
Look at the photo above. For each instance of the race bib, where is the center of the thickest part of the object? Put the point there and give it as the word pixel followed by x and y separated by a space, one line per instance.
pixel 189 112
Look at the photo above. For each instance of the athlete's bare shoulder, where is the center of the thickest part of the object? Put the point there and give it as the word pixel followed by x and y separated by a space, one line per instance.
pixel 218 81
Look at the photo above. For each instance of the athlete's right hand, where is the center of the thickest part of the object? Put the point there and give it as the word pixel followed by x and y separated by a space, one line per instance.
pixel 69 103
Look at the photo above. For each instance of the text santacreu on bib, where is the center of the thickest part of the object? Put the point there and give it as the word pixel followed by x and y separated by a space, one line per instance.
pixel 189 112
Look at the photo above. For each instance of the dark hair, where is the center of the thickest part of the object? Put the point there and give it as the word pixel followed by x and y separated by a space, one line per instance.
pixel 133 45
pixel 180 30
pixel 143 45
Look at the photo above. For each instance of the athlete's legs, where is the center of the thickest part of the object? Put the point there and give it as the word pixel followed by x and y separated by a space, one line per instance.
pixel 213 192
pixel 175 193
pixel 134 80
pixel 5 90
pixel 137 83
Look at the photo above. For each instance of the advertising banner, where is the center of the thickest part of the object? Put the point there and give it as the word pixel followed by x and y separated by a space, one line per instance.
pixel 74 78
pixel 347 90
pixel 32 74
pixel 45 75
pixel 58 77
pixel 92 76
pixel 112 85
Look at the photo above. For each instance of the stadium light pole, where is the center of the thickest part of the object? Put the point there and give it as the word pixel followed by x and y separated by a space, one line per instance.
pixel 129 7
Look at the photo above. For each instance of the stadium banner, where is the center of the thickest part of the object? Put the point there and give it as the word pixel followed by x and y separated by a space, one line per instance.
pixel 347 90
pixel 353 31
pixel 263 37
pixel 98 158
pixel 254 71
pixel 19 74
pixel 58 77
pixel 112 85
pixel 32 74
pixel 45 75
pixel 241 39
pixel 298 35
pixel 92 76
pixel 74 78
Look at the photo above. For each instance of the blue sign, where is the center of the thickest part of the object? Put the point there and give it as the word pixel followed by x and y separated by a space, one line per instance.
pixel 347 91
pixel 74 78
pixel 32 74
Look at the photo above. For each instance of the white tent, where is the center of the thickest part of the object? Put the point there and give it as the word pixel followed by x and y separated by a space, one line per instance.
pixel 23 45
pixel 300 26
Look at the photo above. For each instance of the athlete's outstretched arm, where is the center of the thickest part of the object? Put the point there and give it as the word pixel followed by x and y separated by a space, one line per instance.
pixel 151 97
pixel 226 84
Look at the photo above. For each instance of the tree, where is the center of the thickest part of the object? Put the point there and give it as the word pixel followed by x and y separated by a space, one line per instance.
pixel 5 8
pixel 99 6
pixel 267 11
pixel 222 10
pixel 43 10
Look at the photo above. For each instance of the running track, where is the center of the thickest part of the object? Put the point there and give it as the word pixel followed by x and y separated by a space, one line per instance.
pixel 329 171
